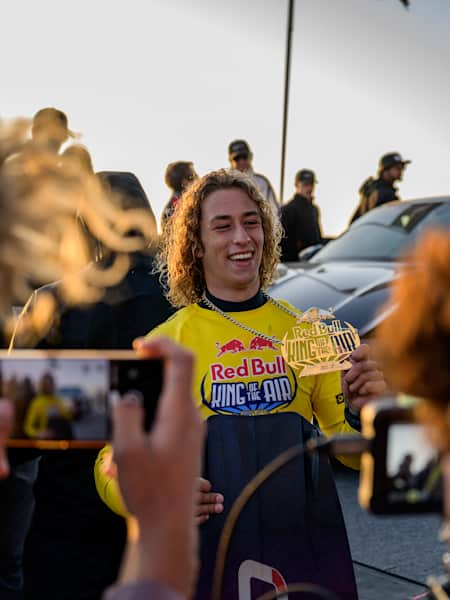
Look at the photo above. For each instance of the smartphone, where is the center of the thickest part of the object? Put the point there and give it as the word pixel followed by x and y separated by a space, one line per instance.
pixel 62 398
pixel 400 472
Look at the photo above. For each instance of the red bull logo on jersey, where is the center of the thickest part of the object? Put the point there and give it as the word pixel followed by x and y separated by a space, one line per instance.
pixel 233 346
pixel 251 385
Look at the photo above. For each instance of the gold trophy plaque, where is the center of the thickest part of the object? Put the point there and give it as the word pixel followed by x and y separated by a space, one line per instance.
pixel 319 343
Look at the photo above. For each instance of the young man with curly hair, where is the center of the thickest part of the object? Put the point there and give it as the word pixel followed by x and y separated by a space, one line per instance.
pixel 218 257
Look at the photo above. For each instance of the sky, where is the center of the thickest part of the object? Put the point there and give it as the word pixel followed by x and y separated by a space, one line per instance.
pixel 148 82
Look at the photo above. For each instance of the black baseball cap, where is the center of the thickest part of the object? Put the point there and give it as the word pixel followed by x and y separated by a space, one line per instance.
pixel 305 176
pixel 391 159
pixel 238 147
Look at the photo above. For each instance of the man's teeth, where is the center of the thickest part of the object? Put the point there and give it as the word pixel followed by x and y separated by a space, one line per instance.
pixel 243 256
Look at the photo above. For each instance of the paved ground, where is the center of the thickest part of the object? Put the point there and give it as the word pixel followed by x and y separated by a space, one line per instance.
pixel 394 555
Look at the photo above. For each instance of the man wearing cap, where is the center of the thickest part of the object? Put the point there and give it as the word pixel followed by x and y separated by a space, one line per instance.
pixel 50 129
pixel 375 192
pixel 240 157
pixel 300 218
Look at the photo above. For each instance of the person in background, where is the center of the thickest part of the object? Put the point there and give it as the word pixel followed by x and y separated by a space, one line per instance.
pixel 40 197
pixel 45 406
pixel 179 175
pixel 241 157
pixel 50 130
pixel 300 218
pixel 375 192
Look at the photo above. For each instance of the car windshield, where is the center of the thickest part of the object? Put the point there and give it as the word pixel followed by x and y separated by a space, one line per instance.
pixel 382 234
pixel 371 241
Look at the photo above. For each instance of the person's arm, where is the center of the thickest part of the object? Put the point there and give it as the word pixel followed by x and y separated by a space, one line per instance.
pixel 32 426
pixel 158 474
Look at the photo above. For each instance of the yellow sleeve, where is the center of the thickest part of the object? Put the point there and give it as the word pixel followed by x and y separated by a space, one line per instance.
pixel 328 408
pixel 32 426
pixel 107 485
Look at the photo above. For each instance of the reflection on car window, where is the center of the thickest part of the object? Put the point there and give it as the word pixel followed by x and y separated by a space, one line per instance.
pixel 370 241
pixel 412 215
pixel 440 217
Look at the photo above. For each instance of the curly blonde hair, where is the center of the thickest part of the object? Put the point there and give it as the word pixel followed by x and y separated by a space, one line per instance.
pixel 41 195
pixel 414 341
pixel 177 260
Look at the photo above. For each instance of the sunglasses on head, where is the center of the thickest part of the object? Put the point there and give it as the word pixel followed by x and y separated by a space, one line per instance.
pixel 239 157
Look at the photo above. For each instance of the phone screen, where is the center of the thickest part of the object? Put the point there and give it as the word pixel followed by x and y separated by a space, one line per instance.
pixel 412 465
pixel 63 401
pixel 400 473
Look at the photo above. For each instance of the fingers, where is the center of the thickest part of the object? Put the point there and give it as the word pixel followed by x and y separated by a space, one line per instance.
pixel 203 485
pixel 362 352
pixel 128 422
pixel 362 383
pixel 200 520
pixel 207 502
pixel 358 368
pixel 210 504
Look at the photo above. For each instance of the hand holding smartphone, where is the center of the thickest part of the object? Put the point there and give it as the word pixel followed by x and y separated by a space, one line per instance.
pixel 62 398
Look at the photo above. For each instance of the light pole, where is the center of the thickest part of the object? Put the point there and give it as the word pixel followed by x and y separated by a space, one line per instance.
pixel 287 74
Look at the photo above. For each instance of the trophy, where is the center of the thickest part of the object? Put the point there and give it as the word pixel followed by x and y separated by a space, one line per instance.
pixel 319 343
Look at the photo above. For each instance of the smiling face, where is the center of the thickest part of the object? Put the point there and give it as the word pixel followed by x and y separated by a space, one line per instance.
pixel 232 240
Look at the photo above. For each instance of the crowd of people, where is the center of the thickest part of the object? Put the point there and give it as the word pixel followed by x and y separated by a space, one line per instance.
pixel 196 297
pixel 300 216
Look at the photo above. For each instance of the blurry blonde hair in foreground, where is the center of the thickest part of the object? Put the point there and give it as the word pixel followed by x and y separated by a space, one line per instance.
pixel 414 340
pixel 42 195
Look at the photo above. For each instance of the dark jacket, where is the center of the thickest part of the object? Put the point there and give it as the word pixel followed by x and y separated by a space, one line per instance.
pixel 128 310
pixel 300 219
pixel 375 193
pixel 381 193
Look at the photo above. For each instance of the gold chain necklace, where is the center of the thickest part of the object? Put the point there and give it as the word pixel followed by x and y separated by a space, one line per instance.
pixel 269 338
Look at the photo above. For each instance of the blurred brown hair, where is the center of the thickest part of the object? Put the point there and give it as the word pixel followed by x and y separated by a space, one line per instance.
pixel 414 341
pixel 40 240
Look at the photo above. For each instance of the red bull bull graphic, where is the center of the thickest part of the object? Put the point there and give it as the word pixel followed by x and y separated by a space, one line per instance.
pixel 232 346
pixel 259 343
pixel 235 345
